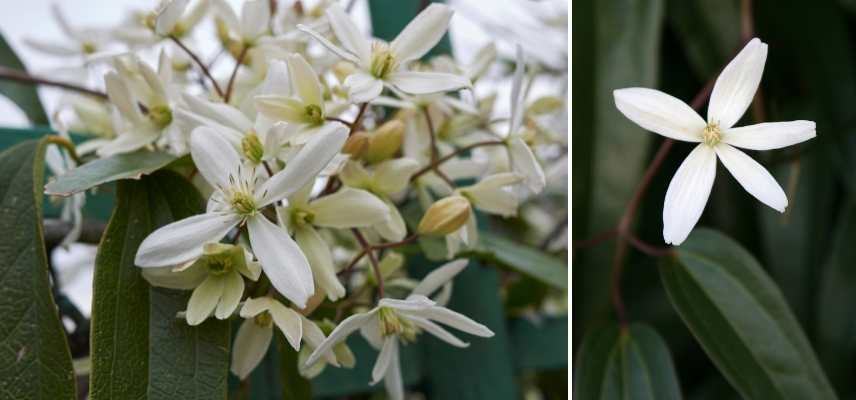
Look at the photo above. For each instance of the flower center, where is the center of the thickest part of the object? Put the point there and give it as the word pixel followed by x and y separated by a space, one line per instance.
pixel 88 47
pixel 219 267
pixel 383 60
pixel 302 218
pixel 160 115
pixel 314 114
pixel 263 319
pixel 243 203
pixel 391 323
pixel 252 147
pixel 711 134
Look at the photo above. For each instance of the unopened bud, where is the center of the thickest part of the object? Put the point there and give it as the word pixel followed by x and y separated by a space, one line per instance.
pixel 252 147
pixel 356 145
pixel 445 216
pixel 385 141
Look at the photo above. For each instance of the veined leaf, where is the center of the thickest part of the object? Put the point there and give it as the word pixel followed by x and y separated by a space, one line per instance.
pixel 35 359
pixel 523 259
pixel 618 364
pixel 24 95
pixel 740 318
pixel 121 166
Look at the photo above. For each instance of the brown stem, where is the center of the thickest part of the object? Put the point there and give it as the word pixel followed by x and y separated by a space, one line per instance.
pixel 358 121
pixel 23 77
pixel 596 239
pixel 231 83
pixel 647 248
pixel 452 155
pixel 372 258
pixel 199 63
pixel 338 120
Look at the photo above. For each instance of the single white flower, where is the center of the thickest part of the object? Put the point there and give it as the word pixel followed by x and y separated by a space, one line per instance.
pixel 238 199
pixel 346 208
pixel 402 320
pixel 255 334
pixel 733 92
pixel 382 63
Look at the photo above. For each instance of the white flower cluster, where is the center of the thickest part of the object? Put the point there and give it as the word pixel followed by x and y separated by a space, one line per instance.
pixel 306 151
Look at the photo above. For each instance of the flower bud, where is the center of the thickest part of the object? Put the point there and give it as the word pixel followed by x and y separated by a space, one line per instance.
pixel 385 141
pixel 356 145
pixel 445 216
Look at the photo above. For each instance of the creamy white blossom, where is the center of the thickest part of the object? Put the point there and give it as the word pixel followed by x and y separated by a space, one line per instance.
pixel 717 138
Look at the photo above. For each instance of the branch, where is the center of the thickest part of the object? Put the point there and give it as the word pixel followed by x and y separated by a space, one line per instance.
pixel 441 160
pixel 23 77
pixel 201 65
pixel 375 265
pixel 231 83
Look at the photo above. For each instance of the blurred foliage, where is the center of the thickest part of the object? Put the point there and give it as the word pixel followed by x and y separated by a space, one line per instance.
pixel 807 251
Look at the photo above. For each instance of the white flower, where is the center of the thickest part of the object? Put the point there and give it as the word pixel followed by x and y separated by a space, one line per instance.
pixel 85 43
pixel 346 208
pixel 519 154
pixel 380 63
pixel 238 199
pixel 254 335
pixel 731 96
pixel 253 22
pixel 401 320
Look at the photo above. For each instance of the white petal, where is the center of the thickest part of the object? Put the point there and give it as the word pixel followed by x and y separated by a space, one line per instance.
pixel 440 276
pixel 281 259
pixel 413 82
pixel 281 108
pixel 393 229
pixel 371 333
pixel 233 289
pixel 687 194
pixel 305 80
pixel 313 337
pixel 523 162
pixel 255 306
pixel 422 33
pixel 126 143
pixel 223 114
pixel 204 299
pixel 413 303
pixel 288 321
pixel 348 33
pixel 182 240
pixel 329 45
pixel 518 95
pixel 321 261
pixel 453 319
pixel 660 113
pixel 122 97
pixel 251 345
pixel 255 15
pixel 438 332
pixel 769 135
pixel 168 277
pixel 363 87
pixel 383 358
pixel 305 166
pixel 393 380
pixel 348 208
pixel 54 49
pixel 168 17
pixel 345 328
pixel 392 176
pixel 753 177
pixel 214 156
pixel 736 85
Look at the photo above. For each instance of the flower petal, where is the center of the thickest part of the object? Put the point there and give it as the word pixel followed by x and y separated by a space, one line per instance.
pixel 348 208
pixel 313 337
pixel 393 381
pixel 660 113
pixel 288 321
pixel 214 156
pixel 168 17
pixel 753 177
pixel 280 108
pixel 453 319
pixel 363 87
pixel 392 176
pixel 255 15
pixel 523 162
pixel 422 33
pixel 393 229
pixel 281 259
pixel 305 80
pixel 182 241
pixel 251 345
pixel 122 97
pixel 438 332
pixel 305 166
pixel 321 261
pixel 348 33
pixel 233 289
pixel 417 82
pixel 436 278
pixel 255 306
pixel 518 95
pixel 345 328
pixel 769 135
pixel 383 358
pixel 329 45
pixel 687 194
pixel 204 299
pixel 736 85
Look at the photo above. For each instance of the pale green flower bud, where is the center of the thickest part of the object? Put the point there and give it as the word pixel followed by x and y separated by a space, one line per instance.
pixel 445 216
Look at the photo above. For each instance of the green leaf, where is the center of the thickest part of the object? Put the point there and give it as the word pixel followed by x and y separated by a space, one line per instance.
pixel 121 166
pixel 35 359
pixel 294 386
pixel 523 259
pixel 631 363
pixel 22 94
pixel 139 347
pixel 740 318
